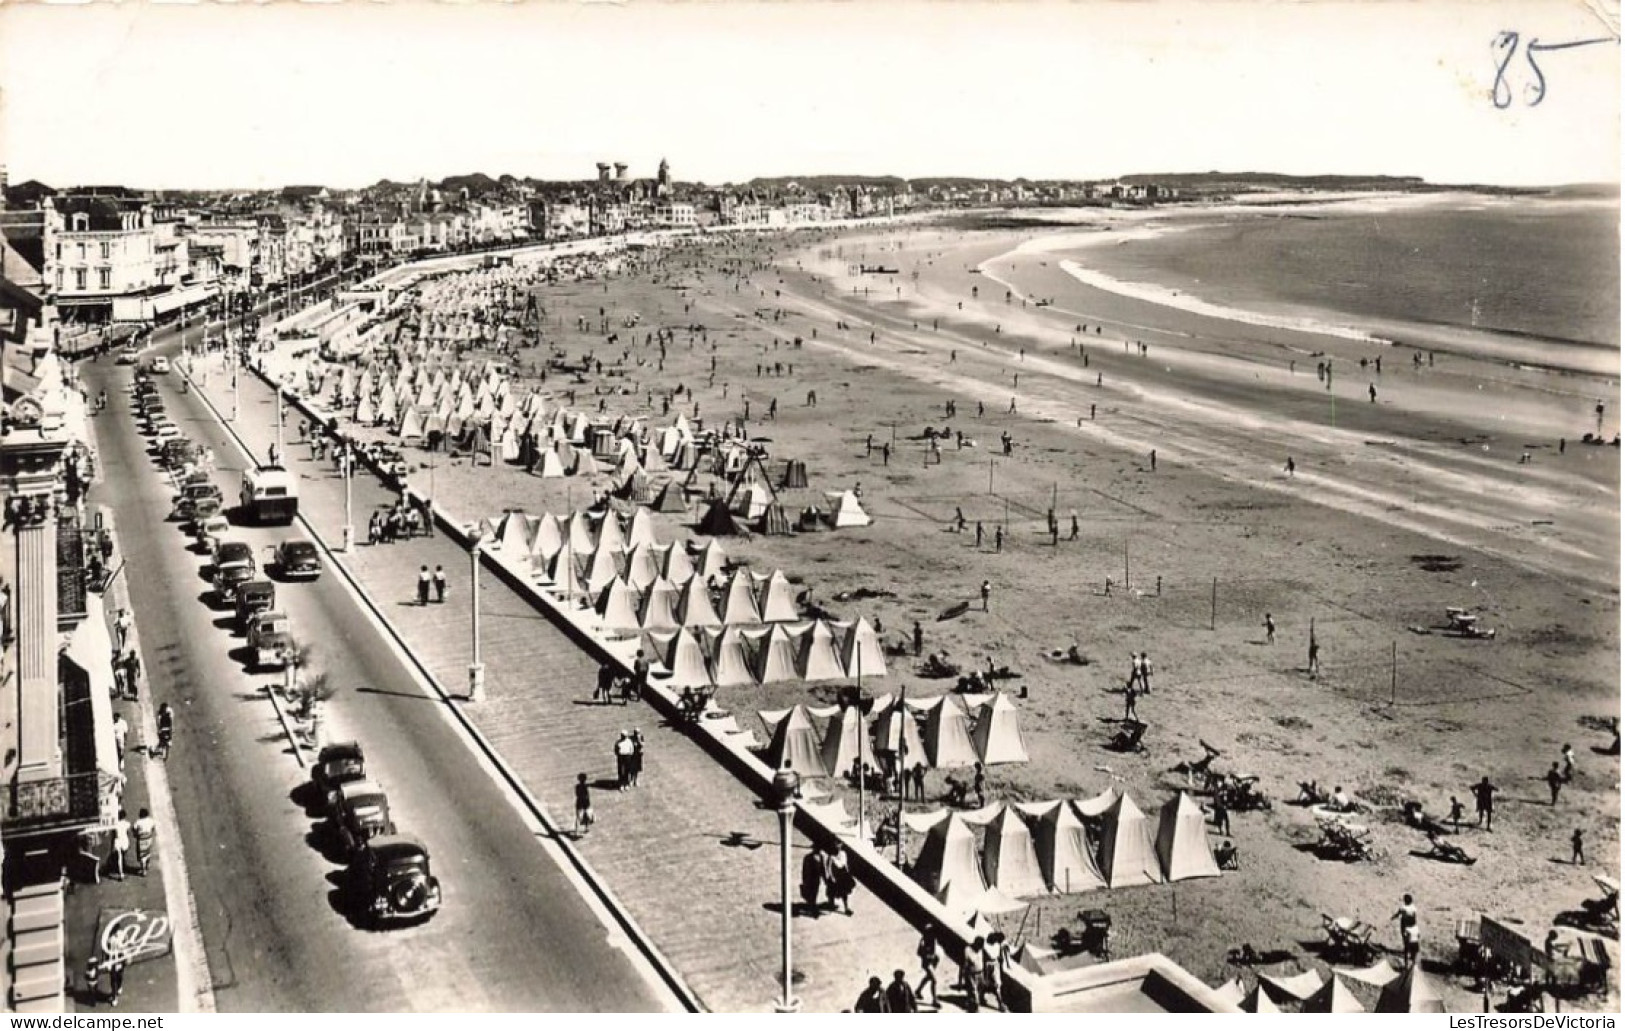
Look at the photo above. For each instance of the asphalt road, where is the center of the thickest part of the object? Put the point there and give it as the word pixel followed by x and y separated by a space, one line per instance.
pixel 513 935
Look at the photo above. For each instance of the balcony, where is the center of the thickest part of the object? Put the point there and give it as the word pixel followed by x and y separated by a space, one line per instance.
pixel 74 799
pixel 72 577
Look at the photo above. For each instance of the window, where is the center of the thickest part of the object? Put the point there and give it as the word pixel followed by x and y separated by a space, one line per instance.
pixel 79 279
pixel 107 251
pixel 59 280
pixel 104 279
pixel 81 252
pixel 81 223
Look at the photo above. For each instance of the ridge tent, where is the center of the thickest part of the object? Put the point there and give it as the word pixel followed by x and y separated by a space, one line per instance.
pixel 685 661
pixel 641 567
pixel 997 735
pixel 1333 997
pixel 659 607
pixel 670 500
pixel 792 740
pixel 710 561
pixel 773 654
pixel 844 742
pixel 618 606
pixel 795 475
pixel 774 522
pixel 674 563
pixel 694 606
pixel 1412 992
pixel 845 510
pixel 718 521
pixel 1182 841
pixel 947 736
pixel 1008 859
pixel 949 857
pixel 860 650
pixel 739 602
pixel 1128 855
pixel 730 659
pixel 1064 854
pixel 896 729
pixel 776 600
pixel 551 467
pixel 817 657
pixel 640 528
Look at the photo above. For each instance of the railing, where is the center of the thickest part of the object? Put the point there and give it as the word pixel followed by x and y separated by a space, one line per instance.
pixel 54 803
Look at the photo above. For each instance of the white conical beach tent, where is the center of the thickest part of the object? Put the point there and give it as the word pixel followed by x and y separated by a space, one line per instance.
pixel 776 599
pixel 609 533
pixel 642 569
pixel 997 735
pixel 860 649
pixel 1009 861
pixel 582 539
pixel 549 537
pixel 773 654
pixel 1256 1001
pixel 845 510
pixel 599 569
pixel 1411 992
pixel 1182 841
pixel 640 528
pixel 844 741
pixel 1128 855
pixel 618 606
pixel 674 563
pixel 512 534
pixel 694 606
pixel 730 659
pixel 817 657
pixel 566 581
pixel 1064 854
pixel 793 740
pixel 711 562
pixel 739 603
pixel 659 611
pixel 1333 997
pixel 685 660
pixel 949 857
pixel 947 736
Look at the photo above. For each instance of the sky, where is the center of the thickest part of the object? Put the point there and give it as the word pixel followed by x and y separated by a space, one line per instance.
pixel 343 94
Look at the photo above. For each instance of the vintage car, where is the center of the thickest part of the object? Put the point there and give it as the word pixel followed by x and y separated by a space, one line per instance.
pixel 129 356
pixel 337 765
pixel 230 576
pixel 160 365
pixel 210 530
pixel 390 881
pixel 204 510
pixel 359 813
pixel 192 493
pixel 253 597
pixel 298 560
pixel 270 639
pixel 230 552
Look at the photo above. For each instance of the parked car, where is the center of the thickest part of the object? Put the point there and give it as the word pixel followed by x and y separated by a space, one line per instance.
pixel 229 577
pixel 211 529
pixel 297 559
pixel 253 596
pixel 205 509
pixel 270 639
pixel 360 813
pixel 390 880
pixel 230 552
pixel 160 365
pixel 337 765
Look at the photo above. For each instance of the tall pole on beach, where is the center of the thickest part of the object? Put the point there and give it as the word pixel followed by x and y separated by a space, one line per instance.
pixel 858 641
pixel 1213 607
pixel 902 768
pixel 1393 672
pixel 476 668
pixel 1125 563
pixel 785 785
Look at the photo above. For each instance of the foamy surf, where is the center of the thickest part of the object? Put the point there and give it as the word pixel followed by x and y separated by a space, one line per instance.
pixel 1181 301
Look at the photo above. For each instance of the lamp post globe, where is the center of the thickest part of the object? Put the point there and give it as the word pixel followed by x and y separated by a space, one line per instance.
pixel 786 784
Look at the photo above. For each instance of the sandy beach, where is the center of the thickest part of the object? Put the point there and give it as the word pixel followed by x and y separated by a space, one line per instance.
pixel 1397 509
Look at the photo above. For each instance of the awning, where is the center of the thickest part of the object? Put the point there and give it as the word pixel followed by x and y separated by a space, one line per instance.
pixel 90 647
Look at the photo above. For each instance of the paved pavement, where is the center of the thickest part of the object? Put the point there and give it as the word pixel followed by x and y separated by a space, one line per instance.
pixel 515 933
pixel 666 849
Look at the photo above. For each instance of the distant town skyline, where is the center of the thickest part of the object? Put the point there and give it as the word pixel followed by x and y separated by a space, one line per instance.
pixel 218 96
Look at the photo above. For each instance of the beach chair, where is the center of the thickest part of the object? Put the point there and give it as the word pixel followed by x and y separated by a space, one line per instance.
pixel 1129 738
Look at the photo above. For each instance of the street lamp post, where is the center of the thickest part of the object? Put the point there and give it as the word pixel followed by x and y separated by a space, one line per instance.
pixel 786 783
pixel 349 521
pixel 279 420
pixel 476 668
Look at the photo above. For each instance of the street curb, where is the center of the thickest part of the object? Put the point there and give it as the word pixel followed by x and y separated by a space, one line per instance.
pixel 282 718
pixel 666 970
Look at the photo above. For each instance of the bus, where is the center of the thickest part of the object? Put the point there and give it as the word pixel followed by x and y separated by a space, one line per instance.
pixel 270 495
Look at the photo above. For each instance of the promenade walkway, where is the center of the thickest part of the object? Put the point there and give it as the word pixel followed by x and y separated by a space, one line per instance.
pixel 690 853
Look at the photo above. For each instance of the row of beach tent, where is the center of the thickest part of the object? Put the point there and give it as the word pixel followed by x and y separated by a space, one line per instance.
pixel 943 733
pixel 1408 991
pixel 742 656
pixel 1028 849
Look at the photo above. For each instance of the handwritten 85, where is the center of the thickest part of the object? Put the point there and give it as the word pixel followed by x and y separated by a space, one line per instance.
pixel 1506 46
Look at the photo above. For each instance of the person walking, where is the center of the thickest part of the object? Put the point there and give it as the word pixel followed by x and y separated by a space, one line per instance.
pixel 930 957
pixel 584 816
pixel 812 878
pixel 424 582
pixel 166 732
pixel 635 763
pixel 1554 780
pixel 623 761
pixel 145 831
pixel 1153 459
pixel 1291 467
pixel 439 584
pixel 1577 847
pixel 1457 811
pixel 900 994
pixel 1484 803
pixel 1409 929
pixel 919 781
pixel 987 594
pixel 115 979
pixel 919 639
pixel 970 972
pixel 1269 629
pixel 1073 535
pixel 1221 814
pixel 978 534
pixel 872 999
pixel 132 673
pixel 121 845
pixel 838 880
pixel 998 539
pixel 1130 696
pixel 121 736
pixel 1568 763
pixel 1133 670
pixel 1145 673
pixel 1314 656
pixel 121 628
pixel 979 785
